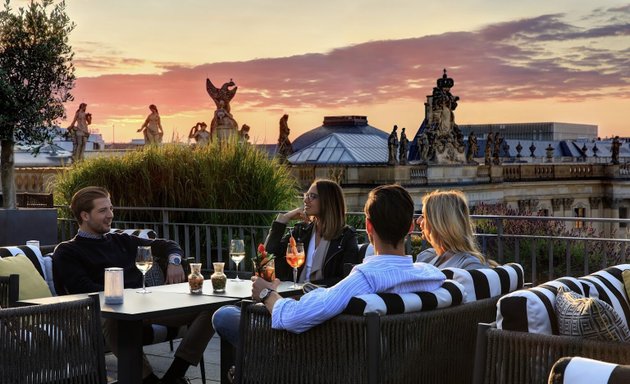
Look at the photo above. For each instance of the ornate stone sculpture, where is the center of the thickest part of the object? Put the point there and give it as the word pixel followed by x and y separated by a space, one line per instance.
pixel 615 146
pixel 404 147
pixel 496 151
pixel 445 137
pixel 223 124
pixel 549 151
pixel 532 149
pixel 285 148
pixel 423 147
pixel 200 134
pixel 392 146
pixel 473 147
pixel 487 153
pixel 244 133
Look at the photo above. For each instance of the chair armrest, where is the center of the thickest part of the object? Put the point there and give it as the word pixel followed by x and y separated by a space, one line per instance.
pixel 536 354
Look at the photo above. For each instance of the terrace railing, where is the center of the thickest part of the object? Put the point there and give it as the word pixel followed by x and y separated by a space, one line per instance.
pixel 547 247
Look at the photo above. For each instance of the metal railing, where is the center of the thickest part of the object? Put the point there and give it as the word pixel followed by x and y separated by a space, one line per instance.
pixel 547 247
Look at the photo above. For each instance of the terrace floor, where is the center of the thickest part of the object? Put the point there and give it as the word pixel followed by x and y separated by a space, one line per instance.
pixel 160 356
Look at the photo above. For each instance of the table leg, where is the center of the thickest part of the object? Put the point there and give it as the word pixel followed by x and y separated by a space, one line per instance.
pixel 129 352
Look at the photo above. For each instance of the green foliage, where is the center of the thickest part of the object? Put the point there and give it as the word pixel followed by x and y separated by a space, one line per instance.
pixel 36 76
pixel 230 176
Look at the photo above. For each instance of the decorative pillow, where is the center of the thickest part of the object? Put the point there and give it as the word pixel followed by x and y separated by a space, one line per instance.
pixel 488 282
pixel 588 318
pixel 532 310
pixel 579 370
pixel 32 252
pixel 142 233
pixel 451 293
pixel 626 282
pixel 32 285
pixel 48 271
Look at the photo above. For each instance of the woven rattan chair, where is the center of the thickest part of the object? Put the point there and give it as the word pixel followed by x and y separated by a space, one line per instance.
pixel 9 290
pixel 521 357
pixel 422 347
pixel 60 342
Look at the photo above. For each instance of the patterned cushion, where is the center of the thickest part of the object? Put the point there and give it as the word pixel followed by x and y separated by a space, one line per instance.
pixel 533 310
pixel 589 318
pixel 142 233
pixel 579 370
pixel 626 282
pixel 488 282
pixel 451 293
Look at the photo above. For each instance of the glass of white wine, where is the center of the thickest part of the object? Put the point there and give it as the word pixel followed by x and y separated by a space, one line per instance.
pixel 144 262
pixel 237 254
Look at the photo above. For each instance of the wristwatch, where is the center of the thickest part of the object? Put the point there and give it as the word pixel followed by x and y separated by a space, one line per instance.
pixel 264 294
pixel 175 260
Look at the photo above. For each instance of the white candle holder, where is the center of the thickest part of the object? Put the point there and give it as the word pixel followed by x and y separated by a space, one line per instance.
pixel 114 285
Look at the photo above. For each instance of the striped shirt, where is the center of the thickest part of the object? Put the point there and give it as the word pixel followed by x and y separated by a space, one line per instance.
pixel 377 274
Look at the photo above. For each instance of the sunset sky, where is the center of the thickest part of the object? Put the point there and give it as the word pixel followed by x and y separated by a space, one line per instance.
pixel 527 61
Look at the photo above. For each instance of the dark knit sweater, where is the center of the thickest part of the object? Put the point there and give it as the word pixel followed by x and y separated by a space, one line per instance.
pixel 79 264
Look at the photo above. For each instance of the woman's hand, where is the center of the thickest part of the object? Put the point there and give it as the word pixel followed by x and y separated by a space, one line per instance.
pixel 296 214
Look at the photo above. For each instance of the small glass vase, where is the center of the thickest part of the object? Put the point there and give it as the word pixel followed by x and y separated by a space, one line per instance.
pixel 195 279
pixel 218 278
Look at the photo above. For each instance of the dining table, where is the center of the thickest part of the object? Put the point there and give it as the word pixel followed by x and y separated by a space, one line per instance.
pixel 136 308
pixel 164 300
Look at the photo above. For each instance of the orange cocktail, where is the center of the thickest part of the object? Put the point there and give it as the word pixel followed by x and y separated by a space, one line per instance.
pixel 295 257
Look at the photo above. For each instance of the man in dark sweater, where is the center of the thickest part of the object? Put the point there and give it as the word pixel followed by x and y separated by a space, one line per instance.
pixel 79 267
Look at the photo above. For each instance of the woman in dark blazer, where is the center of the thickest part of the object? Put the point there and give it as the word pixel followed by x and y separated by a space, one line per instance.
pixel 328 242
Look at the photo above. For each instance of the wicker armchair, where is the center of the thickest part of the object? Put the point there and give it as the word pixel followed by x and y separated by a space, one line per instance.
pixel 59 342
pixel 521 357
pixel 9 290
pixel 421 347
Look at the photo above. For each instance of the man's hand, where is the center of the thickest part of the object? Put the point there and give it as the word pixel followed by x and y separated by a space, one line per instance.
pixel 260 284
pixel 175 274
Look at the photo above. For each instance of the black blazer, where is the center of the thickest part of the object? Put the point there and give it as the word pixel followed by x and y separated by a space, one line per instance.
pixel 343 249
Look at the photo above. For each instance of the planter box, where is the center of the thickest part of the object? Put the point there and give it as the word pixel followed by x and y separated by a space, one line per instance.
pixel 20 225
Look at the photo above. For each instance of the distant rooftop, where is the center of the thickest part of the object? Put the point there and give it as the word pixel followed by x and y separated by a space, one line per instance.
pixel 343 148
pixel 337 124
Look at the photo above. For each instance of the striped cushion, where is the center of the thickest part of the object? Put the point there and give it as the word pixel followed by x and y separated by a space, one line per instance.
pixel 533 311
pixel 451 293
pixel 488 282
pixel 579 370
pixel 142 233
pixel 32 252
pixel 608 287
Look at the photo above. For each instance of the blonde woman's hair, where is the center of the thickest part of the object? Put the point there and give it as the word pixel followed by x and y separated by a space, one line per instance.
pixel 447 215
pixel 332 208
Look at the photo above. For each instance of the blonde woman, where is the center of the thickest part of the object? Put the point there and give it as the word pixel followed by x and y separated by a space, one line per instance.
pixel 446 225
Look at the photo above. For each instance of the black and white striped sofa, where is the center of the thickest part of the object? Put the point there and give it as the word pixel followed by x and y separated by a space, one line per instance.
pixel 424 337
pixel 531 331
pixel 579 370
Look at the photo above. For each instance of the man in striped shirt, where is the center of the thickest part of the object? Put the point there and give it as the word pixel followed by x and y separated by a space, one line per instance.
pixel 389 218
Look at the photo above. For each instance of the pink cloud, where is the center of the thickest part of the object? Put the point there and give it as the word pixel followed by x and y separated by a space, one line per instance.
pixel 503 61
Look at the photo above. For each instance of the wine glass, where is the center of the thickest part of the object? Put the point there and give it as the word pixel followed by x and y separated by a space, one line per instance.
pixel 237 254
pixel 295 258
pixel 144 262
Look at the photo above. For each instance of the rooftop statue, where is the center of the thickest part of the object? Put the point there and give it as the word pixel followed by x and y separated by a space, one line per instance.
pixel 392 146
pixel 447 140
pixel 223 124
pixel 285 148
pixel 403 148
pixel 615 146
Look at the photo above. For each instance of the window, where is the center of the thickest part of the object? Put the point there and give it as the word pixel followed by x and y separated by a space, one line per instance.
pixel 579 212
pixel 623 214
pixel 543 212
